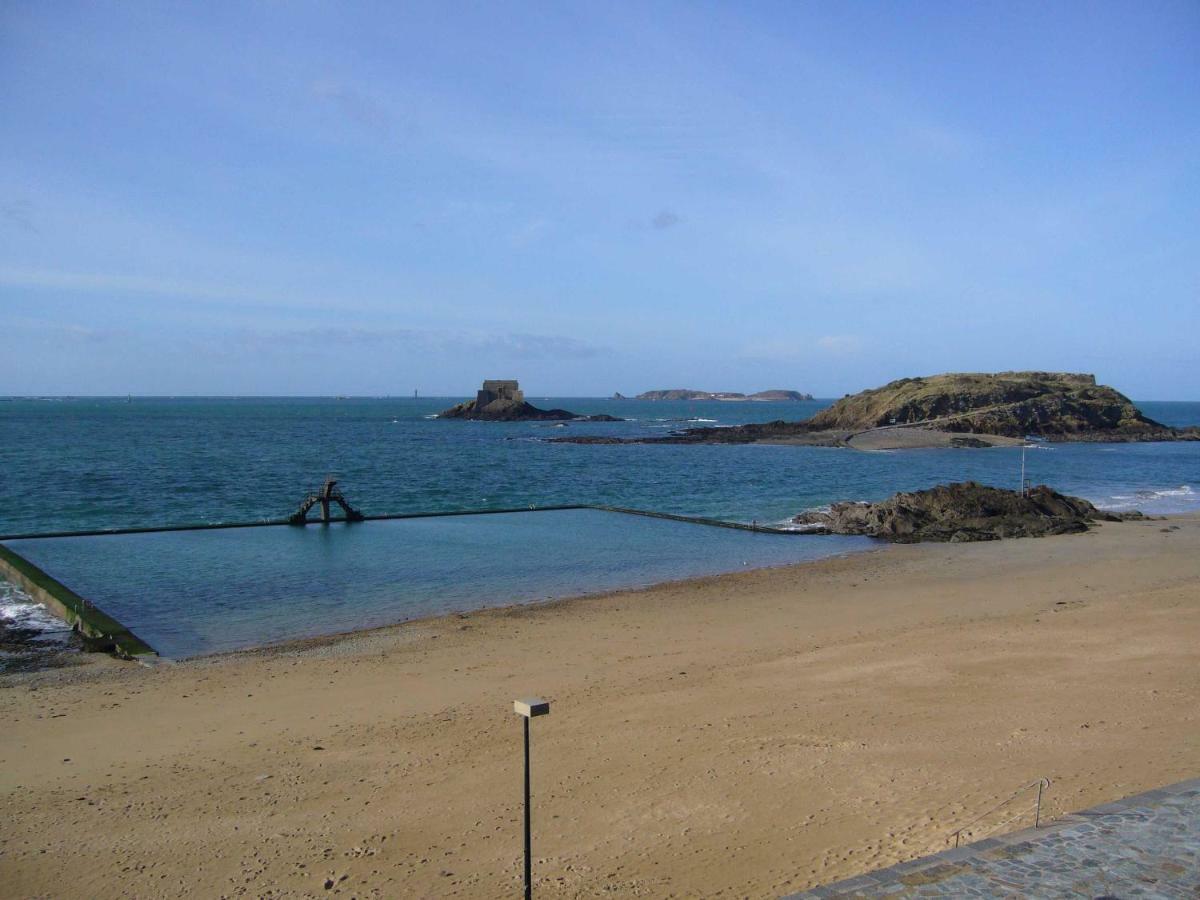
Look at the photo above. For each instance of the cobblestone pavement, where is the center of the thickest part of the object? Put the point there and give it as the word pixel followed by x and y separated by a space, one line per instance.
pixel 1143 846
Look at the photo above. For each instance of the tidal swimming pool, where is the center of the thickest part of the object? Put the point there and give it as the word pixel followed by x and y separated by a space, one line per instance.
pixel 190 593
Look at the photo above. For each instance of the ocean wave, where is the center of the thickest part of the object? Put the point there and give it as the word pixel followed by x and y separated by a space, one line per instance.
pixel 19 610
pixel 789 525
pixel 1180 498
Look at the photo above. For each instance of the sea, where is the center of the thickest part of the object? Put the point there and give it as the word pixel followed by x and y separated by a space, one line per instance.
pixel 70 464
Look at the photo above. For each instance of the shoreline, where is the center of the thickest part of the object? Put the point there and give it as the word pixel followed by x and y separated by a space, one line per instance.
pixel 547 605
pixel 75 657
pixel 300 644
pixel 745 734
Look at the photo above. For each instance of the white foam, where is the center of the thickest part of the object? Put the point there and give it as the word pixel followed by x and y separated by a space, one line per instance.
pixel 789 525
pixel 19 610
pixel 1181 498
pixel 1184 490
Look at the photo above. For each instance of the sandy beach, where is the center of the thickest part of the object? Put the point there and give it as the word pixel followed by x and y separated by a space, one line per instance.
pixel 743 735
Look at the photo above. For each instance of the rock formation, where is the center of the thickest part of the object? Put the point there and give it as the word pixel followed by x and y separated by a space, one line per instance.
pixel 1054 405
pixel 958 410
pixel 503 401
pixel 968 511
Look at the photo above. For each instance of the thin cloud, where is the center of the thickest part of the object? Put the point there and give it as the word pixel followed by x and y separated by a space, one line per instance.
pixel 104 282
pixel 841 344
pixel 428 341
pixel 355 106
pixel 664 220
pixel 801 349
pixel 19 213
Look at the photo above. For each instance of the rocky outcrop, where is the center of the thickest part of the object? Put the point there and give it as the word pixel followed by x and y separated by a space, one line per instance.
pixel 517 411
pixel 503 401
pixel 686 394
pixel 956 410
pixel 967 511
pixel 1053 405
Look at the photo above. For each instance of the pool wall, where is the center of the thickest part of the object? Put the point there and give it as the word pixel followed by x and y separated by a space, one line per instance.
pixel 104 633
pixel 272 523
pixel 101 631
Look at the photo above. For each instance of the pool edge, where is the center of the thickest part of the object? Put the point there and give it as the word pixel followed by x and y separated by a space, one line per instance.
pixel 101 630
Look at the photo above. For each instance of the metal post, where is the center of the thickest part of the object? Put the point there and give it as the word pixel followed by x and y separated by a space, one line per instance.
pixel 1037 816
pixel 528 842
pixel 527 709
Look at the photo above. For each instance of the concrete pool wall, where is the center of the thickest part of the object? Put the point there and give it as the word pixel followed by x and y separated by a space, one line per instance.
pixel 103 632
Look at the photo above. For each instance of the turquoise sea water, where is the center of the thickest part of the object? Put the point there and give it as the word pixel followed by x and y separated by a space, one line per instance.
pixel 107 463
pixel 103 463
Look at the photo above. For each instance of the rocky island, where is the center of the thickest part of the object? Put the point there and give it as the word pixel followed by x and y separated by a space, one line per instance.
pixel 955 410
pixel 686 394
pixel 504 401
pixel 968 511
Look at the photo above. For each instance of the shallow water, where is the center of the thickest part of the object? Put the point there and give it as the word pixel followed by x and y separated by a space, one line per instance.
pixel 193 592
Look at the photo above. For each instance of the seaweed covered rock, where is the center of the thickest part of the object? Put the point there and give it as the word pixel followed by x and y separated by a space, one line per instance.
pixel 967 511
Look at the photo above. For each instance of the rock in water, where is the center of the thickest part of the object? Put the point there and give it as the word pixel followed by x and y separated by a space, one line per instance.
pixel 967 511
pixel 503 401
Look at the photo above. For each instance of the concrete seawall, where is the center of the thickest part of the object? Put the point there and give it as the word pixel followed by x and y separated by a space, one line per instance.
pixel 100 631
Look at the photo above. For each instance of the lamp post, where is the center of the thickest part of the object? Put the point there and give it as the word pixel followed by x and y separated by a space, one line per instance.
pixel 527 709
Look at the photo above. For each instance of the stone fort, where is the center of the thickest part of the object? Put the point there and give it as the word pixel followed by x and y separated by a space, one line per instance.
pixel 493 390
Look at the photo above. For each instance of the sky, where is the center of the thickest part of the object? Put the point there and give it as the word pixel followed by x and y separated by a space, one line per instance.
pixel 353 198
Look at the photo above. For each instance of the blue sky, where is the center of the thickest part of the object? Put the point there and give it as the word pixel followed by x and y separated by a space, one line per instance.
pixel 308 198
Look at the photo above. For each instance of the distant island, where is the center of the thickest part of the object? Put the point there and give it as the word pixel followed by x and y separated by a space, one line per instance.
pixel 685 394
pixel 504 401
pixel 953 410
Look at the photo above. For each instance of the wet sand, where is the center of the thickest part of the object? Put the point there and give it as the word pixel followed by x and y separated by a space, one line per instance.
pixel 907 438
pixel 743 735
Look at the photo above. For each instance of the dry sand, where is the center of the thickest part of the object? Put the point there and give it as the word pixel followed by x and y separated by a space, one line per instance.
pixel 746 735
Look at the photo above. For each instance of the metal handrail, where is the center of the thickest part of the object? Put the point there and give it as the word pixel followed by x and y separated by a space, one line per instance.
pixel 1042 784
